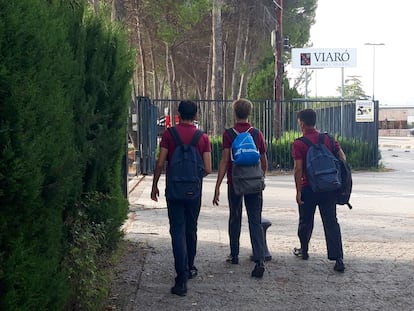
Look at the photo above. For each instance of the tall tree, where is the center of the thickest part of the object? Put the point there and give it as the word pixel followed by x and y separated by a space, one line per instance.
pixel 182 52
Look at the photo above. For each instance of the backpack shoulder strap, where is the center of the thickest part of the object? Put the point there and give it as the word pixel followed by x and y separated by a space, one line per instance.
pixel 232 133
pixel 331 141
pixel 255 132
pixel 321 140
pixel 196 138
pixel 333 145
pixel 306 141
pixel 175 136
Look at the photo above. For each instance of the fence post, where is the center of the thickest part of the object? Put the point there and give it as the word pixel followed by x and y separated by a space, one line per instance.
pixel 146 134
pixel 268 131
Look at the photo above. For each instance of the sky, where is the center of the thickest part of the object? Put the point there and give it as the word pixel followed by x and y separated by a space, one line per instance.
pixel 351 24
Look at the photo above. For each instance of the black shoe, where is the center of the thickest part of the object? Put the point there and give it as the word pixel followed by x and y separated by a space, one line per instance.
pixel 339 265
pixel 258 270
pixel 233 259
pixel 298 253
pixel 192 273
pixel 179 289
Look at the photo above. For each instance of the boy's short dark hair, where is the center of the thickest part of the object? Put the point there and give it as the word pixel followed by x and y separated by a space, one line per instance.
pixel 187 110
pixel 307 116
pixel 242 108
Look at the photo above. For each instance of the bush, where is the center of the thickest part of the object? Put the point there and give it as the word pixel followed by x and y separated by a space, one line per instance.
pixel 279 153
pixel 64 97
pixel 86 257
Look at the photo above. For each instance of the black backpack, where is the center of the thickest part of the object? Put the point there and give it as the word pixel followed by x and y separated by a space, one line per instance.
pixel 186 169
pixel 247 179
pixel 344 193
pixel 323 169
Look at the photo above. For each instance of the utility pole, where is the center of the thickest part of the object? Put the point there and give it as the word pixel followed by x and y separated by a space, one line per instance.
pixel 278 67
pixel 373 66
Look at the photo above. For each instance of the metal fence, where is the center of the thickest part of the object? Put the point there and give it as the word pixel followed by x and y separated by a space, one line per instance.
pixel 277 121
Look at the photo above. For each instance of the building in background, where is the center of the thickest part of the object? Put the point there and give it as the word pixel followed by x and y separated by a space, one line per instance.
pixel 396 120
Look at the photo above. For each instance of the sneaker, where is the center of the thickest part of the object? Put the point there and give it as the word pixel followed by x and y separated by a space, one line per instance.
pixel 298 253
pixel 258 270
pixel 179 289
pixel 192 273
pixel 234 260
pixel 339 265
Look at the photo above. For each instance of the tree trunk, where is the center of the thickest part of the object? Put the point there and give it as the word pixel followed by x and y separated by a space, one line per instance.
pixel 235 77
pixel 173 76
pixel 217 68
pixel 142 57
pixel 169 64
pixel 208 78
pixel 225 58
pixel 118 10
pixel 155 92
pixel 95 4
pixel 242 85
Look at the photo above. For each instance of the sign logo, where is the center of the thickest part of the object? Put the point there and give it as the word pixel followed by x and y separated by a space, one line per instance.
pixel 305 59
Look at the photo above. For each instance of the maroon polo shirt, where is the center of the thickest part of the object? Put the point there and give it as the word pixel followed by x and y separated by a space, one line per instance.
pixel 300 149
pixel 241 127
pixel 186 133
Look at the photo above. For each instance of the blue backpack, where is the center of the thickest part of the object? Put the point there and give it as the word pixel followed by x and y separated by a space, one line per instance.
pixel 186 169
pixel 247 174
pixel 323 169
pixel 243 149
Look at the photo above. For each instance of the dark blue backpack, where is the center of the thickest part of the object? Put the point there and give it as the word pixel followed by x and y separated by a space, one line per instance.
pixel 343 194
pixel 186 169
pixel 323 169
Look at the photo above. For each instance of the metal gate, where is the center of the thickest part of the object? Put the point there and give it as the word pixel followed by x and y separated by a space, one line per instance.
pixel 337 117
pixel 146 135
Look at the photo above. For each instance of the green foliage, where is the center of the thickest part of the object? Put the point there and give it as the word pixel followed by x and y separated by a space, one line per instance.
pixel 85 258
pixel 174 18
pixel 63 106
pixel 298 17
pixel 216 150
pixel 358 153
pixel 290 92
pixel 280 152
pixel 38 168
pixel 353 88
pixel 260 85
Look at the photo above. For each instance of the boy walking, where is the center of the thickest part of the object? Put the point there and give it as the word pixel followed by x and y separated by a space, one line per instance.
pixel 254 202
pixel 307 199
pixel 182 213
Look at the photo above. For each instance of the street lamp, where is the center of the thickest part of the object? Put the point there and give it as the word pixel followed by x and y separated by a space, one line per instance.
pixel 373 66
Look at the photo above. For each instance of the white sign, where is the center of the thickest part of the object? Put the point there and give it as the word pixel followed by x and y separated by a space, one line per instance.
pixel 364 111
pixel 324 58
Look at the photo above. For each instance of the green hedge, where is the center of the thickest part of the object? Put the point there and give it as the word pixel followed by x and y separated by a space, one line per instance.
pixel 358 153
pixel 64 92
